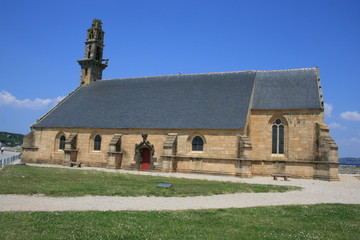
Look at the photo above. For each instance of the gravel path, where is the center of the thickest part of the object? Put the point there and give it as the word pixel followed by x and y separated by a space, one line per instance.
pixel 347 191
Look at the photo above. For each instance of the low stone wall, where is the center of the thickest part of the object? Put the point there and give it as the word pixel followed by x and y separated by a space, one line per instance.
pixel 247 168
pixel 13 149
pixel 349 169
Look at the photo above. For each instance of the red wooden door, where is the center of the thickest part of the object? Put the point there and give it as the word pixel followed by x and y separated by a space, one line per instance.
pixel 145 163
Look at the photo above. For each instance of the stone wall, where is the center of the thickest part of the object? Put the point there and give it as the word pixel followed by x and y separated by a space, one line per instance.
pixel 13 149
pixel 45 144
pixel 309 150
pixel 300 134
pixel 349 169
pixel 222 166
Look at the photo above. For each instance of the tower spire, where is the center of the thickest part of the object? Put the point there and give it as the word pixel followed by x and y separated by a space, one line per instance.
pixel 92 65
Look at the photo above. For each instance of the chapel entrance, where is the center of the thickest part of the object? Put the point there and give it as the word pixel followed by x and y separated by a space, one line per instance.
pixel 145 159
pixel 144 152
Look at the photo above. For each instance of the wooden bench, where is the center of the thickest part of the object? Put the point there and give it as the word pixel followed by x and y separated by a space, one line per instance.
pixel 78 164
pixel 285 176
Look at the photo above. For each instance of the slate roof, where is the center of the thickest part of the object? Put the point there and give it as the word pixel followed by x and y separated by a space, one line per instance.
pixel 189 101
pixel 195 101
pixel 287 89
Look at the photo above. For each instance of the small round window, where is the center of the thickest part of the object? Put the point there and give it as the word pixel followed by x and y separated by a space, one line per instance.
pixel 278 121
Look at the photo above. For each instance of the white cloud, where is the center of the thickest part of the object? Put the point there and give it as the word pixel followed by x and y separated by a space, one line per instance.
pixel 7 98
pixel 354 140
pixel 353 116
pixel 328 109
pixel 335 125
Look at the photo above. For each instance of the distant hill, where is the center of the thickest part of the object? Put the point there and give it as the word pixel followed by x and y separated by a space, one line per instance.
pixel 11 139
pixel 349 161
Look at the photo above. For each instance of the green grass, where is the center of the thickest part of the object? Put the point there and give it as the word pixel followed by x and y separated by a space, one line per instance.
pixel 17 179
pixel 327 222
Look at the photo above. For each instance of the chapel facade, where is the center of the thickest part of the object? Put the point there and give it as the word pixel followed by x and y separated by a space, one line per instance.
pixel 241 123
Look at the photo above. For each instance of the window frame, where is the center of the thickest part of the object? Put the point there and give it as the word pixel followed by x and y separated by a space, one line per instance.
pixel 62 143
pixel 278 131
pixel 97 143
pixel 197 144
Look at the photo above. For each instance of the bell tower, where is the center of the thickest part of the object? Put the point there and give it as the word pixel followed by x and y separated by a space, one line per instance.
pixel 92 65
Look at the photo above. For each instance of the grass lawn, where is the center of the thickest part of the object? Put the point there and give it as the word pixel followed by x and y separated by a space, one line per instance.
pixel 325 221
pixel 17 179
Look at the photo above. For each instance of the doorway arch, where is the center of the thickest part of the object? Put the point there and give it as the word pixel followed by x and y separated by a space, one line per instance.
pixel 145 159
pixel 144 152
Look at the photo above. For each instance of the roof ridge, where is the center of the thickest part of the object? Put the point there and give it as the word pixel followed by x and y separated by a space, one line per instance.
pixel 175 75
pixel 56 106
pixel 284 70
pixel 211 73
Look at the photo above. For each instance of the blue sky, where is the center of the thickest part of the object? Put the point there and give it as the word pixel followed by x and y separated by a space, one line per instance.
pixel 40 42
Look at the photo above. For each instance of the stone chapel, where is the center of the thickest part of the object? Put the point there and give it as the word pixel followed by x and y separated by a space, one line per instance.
pixel 241 123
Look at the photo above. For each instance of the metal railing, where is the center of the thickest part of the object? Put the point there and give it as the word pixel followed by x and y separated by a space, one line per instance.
pixel 8 160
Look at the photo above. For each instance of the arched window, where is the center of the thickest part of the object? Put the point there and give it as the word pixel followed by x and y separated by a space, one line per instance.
pixel 62 142
pixel 278 135
pixel 197 144
pixel 97 143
